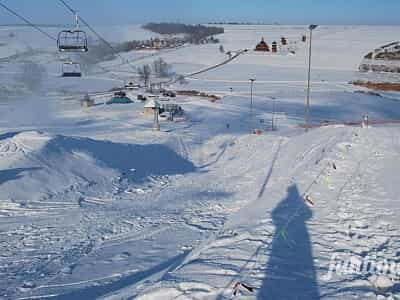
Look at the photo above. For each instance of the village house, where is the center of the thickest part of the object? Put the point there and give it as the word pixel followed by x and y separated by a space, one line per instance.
pixel 274 47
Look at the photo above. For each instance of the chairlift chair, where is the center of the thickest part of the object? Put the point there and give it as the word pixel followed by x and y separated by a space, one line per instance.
pixel 71 69
pixel 74 40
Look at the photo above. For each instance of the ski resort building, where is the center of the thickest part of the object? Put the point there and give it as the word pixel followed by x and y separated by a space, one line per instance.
pixel 150 106
pixel 119 98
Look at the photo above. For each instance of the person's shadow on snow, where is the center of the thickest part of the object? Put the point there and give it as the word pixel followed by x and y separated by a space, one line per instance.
pixel 290 272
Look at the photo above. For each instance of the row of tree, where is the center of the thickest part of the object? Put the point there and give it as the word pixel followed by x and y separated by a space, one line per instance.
pixel 159 68
pixel 33 74
pixel 194 33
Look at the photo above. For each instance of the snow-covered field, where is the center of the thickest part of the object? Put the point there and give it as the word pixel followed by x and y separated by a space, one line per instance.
pixel 95 204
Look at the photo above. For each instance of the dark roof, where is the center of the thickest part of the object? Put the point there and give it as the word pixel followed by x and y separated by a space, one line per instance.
pixel 262 43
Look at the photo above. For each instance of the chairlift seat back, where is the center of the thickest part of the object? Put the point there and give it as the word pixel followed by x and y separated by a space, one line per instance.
pixel 72 74
pixel 72 41
pixel 71 70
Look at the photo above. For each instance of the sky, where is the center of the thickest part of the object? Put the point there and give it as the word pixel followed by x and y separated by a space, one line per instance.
pixel 342 12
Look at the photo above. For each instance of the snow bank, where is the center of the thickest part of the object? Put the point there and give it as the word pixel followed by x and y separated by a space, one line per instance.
pixel 59 164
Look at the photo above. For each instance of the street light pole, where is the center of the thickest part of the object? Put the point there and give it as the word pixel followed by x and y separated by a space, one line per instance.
pixel 311 28
pixel 273 114
pixel 156 123
pixel 251 103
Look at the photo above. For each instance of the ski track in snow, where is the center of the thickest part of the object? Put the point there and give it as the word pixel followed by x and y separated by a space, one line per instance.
pixel 217 259
pixel 94 204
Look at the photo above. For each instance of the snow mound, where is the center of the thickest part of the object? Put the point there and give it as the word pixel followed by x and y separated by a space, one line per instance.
pixel 381 283
pixel 39 166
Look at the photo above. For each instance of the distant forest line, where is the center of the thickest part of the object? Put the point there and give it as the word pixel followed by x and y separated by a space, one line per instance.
pixel 194 31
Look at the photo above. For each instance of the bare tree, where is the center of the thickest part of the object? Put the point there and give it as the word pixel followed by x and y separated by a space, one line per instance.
pixel 157 66
pixel 161 68
pixel 32 75
pixel 181 80
pixel 144 74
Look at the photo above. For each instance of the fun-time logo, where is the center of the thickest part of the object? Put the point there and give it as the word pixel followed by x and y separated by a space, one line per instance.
pixel 344 264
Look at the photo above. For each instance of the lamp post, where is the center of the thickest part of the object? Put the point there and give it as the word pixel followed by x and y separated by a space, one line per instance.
pixel 273 114
pixel 251 103
pixel 311 28
pixel 156 123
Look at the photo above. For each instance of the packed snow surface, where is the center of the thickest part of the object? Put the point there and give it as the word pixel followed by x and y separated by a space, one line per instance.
pixel 94 204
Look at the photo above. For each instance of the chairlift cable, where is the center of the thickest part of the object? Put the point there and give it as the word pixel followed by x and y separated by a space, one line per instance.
pixel 28 22
pixel 25 20
pixel 96 34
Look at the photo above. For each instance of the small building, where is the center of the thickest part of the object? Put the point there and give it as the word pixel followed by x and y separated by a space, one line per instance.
pixel 87 101
pixel 156 43
pixel 141 98
pixel 131 85
pixel 150 106
pixel 274 47
pixel 262 46
pixel 119 98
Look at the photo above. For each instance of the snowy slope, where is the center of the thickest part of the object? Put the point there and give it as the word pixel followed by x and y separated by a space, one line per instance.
pixel 354 210
pixel 95 204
